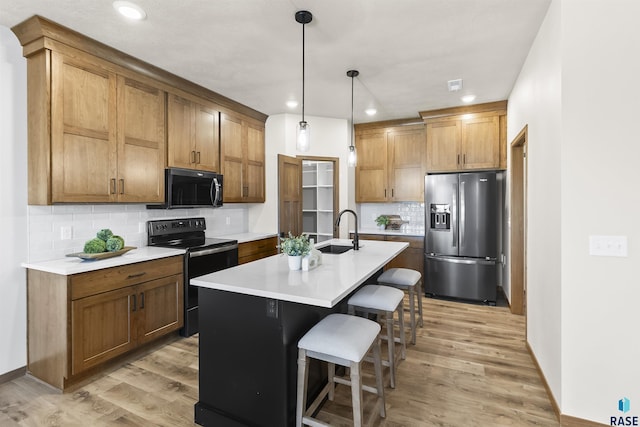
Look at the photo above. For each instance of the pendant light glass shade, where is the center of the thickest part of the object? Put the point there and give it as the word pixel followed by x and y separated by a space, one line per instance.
pixel 352 158
pixel 303 134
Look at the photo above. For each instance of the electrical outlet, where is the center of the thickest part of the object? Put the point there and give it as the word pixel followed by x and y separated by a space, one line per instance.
pixel 608 246
pixel 228 220
pixel 272 308
pixel 66 231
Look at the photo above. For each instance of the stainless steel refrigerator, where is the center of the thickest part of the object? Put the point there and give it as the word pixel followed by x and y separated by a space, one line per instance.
pixel 462 237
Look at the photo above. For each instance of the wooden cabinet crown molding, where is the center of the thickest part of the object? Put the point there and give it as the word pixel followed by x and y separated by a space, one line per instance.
pixel 398 123
pixel 498 107
pixel 37 33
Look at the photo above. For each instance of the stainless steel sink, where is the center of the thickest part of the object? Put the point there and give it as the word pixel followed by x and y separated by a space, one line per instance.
pixel 334 249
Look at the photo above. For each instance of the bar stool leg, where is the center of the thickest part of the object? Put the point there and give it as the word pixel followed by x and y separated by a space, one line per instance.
pixel 303 375
pixel 331 373
pixel 356 394
pixel 412 314
pixel 391 348
pixel 377 364
pixel 419 295
pixel 403 343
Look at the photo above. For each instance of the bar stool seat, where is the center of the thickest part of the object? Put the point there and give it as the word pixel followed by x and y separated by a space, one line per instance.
pixel 383 301
pixel 344 340
pixel 411 281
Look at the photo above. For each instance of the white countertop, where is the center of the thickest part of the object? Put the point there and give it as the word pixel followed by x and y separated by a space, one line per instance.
pixel 72 265
pixel 323 286
pixel 247 237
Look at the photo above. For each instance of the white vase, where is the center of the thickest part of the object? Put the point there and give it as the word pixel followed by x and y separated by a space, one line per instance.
pixel 382 227
pixel 295 262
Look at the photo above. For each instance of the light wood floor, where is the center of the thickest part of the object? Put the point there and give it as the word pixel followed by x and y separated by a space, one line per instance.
pixel 469 368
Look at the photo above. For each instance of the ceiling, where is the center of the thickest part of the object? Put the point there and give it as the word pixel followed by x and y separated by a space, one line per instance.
pixel 251 50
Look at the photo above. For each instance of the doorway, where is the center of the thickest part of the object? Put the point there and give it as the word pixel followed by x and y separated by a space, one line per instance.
pixel 319 197
pixel 308 195
pixel 518 239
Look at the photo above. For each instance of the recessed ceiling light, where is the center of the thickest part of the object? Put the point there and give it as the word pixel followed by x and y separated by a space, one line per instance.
pixel 129 10
pixel 468 98
pixel 292 104
pixel 371 111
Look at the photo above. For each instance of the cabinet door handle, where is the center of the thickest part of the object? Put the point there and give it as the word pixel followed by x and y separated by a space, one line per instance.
pixel 392 192
pixel 134 302
pixel 198 157
pixel 242 180
pixel 464 159
pixel 141 300
pixel 385 192
pixel 458 161
pixel 121 186
pixel 113 186
pixel 245 191
pixel 132 276
pixel 193 157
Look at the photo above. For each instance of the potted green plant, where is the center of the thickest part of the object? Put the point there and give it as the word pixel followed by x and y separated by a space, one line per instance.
pixel 382 221
pixel 295 247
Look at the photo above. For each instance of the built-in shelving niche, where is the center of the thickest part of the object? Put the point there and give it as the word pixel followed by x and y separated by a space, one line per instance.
pixel 319 195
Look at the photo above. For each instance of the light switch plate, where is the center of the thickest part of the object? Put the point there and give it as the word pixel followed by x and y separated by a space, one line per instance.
pixel 608 246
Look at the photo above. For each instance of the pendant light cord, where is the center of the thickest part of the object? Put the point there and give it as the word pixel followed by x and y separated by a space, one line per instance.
pixel 351 140
pixel 303 25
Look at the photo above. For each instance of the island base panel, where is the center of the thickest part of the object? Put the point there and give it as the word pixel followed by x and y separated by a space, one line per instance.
pixel 248 358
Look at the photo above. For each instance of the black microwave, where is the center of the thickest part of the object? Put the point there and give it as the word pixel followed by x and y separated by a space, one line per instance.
pixel 185 188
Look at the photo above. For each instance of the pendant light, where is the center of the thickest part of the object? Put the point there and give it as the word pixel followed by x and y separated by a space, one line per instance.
pixel 303 136
pixel 352 157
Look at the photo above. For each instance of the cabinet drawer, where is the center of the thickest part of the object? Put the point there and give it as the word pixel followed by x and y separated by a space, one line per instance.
pixel 263 246
pixel 95 282
pixel 368 236
pixel 414 242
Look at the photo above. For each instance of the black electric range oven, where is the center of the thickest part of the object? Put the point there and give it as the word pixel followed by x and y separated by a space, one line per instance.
pixel 203 255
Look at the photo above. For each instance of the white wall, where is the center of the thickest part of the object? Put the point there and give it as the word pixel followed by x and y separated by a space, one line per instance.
pixel 582 309
pixel 600 148
pixel 329 138
pixel 13 208
pixel 536 101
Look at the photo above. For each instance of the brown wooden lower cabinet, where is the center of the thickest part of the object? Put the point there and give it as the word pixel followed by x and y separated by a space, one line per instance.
pixel 257 249
pixel 412 257
pixel 76 323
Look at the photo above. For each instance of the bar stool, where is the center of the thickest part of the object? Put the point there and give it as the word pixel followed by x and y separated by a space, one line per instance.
pixel 344 340
pixel 383 301
pixel 411 280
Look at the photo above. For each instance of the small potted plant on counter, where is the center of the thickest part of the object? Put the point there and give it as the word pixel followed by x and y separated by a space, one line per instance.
pixel 382 221
pixel 295 247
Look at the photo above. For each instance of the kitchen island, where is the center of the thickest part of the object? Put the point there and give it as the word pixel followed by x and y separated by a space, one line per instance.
pixel 251 318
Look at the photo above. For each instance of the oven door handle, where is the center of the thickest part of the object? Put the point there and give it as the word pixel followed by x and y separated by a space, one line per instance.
pixel 204 252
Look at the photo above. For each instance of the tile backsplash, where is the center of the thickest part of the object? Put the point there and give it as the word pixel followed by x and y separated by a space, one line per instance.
pixel 57 230
pixel 408 211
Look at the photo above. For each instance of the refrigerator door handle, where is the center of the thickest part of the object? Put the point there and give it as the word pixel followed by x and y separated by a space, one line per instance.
pixel 458 260
pixel 454 209
pixel 462 213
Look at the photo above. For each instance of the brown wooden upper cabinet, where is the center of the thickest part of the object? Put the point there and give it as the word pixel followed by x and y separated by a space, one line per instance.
pixel 391 162
pixel 107 134
pixel 193 134
pixel 466 138
pixel 242 158
pixel 98 131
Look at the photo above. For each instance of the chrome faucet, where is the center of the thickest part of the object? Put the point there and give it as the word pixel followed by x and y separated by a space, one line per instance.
pixel 356 244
